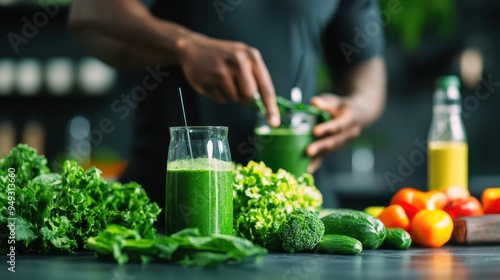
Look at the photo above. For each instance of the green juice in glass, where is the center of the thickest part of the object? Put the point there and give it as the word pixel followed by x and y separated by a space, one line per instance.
pixel 200 194
pixel 284 148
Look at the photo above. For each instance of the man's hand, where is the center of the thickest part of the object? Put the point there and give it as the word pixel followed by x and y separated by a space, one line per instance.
pixel 333 134
pixel 364 84
pixel 227 70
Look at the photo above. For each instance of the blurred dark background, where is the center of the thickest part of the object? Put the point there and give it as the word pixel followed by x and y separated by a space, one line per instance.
pixel 51 90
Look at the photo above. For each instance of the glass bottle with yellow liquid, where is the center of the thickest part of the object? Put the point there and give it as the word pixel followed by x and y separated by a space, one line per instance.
pixel 447 148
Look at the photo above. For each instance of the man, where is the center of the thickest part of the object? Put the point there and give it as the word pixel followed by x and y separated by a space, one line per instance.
pixel 229 51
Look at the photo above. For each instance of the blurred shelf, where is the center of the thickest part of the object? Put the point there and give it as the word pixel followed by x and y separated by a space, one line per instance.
pixel 49 97
pixel 360 185
pixel 356 191
pixel 12 15
pixel 29 5
pixel 43 104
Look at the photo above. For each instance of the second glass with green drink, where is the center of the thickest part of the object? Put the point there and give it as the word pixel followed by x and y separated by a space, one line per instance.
pixel 285 147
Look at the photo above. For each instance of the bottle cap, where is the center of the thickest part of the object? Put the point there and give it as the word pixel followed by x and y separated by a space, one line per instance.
pixel 447 91
pixel 446 81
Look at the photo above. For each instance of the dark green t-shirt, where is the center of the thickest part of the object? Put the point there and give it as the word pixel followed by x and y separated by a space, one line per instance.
pixel 342 33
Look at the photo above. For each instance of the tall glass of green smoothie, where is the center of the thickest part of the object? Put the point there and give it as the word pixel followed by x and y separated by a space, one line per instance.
pixel 285 147
pixel 199 180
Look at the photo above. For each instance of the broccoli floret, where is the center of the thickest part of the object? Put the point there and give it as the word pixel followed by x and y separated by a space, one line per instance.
pixel 301 231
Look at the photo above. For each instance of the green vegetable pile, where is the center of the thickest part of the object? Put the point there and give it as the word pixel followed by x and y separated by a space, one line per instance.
pixel 263 198
pixel 59 212
pixel 185 247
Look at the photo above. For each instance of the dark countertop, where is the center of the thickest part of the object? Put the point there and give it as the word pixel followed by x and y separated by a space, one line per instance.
pixel 449 262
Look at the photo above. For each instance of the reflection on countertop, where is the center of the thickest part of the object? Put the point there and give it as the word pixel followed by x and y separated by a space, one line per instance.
pixel 449 262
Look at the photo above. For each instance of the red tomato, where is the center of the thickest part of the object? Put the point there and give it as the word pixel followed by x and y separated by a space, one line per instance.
pixel 410 210
pixel 405 194
pixel 412 200
pixel 394 216
pixel 493 207
pixel 464 207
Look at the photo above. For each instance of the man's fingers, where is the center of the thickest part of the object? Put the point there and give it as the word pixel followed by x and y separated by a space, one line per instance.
pixel 315 164
pixel 330 143
pixel 321 145
pixel 245 82
pixel 217 93
pixel 225 85
pixel 328 102
pixel 330 127
pixel 266 88
pixel 334 126
pixel 229 89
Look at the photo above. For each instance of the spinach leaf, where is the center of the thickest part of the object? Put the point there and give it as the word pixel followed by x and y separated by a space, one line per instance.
pixel 185 247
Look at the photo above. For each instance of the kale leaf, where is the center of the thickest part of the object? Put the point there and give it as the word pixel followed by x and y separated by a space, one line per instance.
pixel 58 212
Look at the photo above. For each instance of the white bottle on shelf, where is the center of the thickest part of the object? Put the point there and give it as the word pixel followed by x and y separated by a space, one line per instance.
pixel 95 77
pixel 59 75
pixel 29 76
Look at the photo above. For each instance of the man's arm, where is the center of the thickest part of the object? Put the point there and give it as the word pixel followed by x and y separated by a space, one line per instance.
pixel 365 86
pixel 357 71
pixel 124 33
pixel 115 30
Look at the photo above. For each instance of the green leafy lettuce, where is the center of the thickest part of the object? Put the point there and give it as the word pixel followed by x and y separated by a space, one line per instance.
pixel 262 198
pixel 59 212
pixel 185 247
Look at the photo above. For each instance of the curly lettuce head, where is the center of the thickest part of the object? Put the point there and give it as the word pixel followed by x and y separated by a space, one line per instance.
pixel 58 212
pixel 262 197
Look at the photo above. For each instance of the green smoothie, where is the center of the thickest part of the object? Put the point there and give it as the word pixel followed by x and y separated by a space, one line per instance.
pixel 200 194
pixel 284 148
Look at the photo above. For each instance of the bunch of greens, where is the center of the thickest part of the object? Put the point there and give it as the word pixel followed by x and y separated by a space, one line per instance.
pixel 261 198
pixel 286 106
pixel 185 247
pixel 59 212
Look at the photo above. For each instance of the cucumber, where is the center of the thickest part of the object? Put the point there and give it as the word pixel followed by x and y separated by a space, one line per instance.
pixel 369 230
pixel 338 245
pixel 397 238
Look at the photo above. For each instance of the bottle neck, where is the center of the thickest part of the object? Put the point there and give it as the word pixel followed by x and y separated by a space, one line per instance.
pixel 447 110
pixel 447 123
pixel 447 96
pixel 447 104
